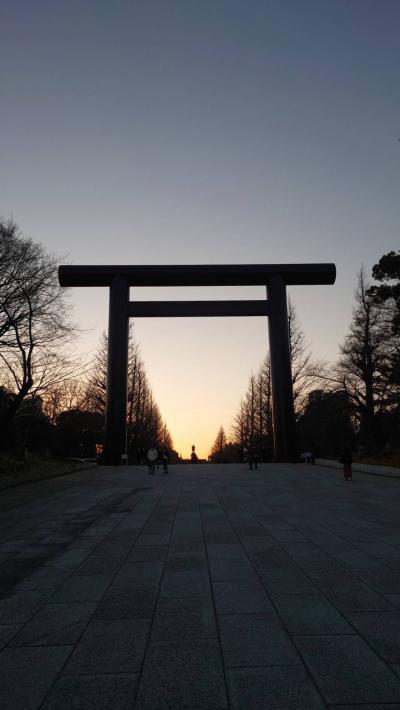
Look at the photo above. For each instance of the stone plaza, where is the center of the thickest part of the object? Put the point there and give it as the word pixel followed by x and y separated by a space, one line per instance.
pixel 212 587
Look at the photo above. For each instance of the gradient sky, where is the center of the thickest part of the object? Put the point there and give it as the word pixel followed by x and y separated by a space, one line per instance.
pixel 204 131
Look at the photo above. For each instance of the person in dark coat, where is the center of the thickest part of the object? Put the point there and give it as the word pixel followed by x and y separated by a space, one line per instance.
pixel 165 459
pixel 346 459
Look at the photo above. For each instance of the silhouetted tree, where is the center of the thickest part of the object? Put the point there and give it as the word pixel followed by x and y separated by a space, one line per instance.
pixel 218 446
pixel 64 397
pixel 35 323
pixel 145 426
pixel 96 384
pixel 362 371
pixel 387 296
pixel 252 428
pixel 306 371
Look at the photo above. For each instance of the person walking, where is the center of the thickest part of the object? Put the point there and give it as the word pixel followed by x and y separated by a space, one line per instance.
pixel 152 456
pixel 346 459
pixel 165 458
pixel 253 458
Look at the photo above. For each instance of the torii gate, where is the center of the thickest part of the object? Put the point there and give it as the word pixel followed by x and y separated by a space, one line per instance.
pixel 274 276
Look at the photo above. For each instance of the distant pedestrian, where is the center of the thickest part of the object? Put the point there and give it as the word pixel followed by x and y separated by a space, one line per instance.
pixel 346 459
pixel 253 458
pixel 165 458
pixel 152 456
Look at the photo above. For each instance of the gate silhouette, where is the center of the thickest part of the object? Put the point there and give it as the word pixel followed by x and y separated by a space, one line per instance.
pixel 274 276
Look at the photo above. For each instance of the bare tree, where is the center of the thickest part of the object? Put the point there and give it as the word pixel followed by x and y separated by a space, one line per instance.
pixel 63 397
pixel 362 371
pixel 145 426
pixel 307 373
pixel 218 446
pixel 253 424
pixel 35 323
pixel 96 382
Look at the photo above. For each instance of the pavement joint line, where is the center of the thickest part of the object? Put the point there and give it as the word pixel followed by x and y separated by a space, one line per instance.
pixel 228 695
pixel 147 645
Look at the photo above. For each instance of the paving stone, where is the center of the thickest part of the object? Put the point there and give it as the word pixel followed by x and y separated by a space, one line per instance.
pixel 261 542
pixel 221 570
pixel 382 580
pixel 98 565
pixel 13 571
pixel 26 675
pixel 221 537
pixel 40 552
pixel 185 584
pixel 380 550
pixel 93 692
pixel 347 670
pixel 381 630
pixel 241 596
pixel 44 578
pixel 357 596
pixel 393 599
pixel 129 536
pixel 55 625
pixel 392 563
pixel 305 551
pixel 115 646
pixel 275 688
pixel 368 706
pixel 250 640
pixel 19 607
pixel 116 550
pixel 309 614
pixel 139 574
pixel 288 580
pixel 153 539
pixel 284 535
pixel 85 543
pixel 141 553
pixel 184 618
pixel 187 547
pixel 328 575
pixel 7 633
pixel 354 558
pixel 128 603
pixel 273 558
pixel 185 675
pixel 225 552
pixel 182 562
pixel 85 588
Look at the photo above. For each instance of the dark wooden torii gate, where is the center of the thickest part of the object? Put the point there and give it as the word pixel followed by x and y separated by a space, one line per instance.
pixel 274 276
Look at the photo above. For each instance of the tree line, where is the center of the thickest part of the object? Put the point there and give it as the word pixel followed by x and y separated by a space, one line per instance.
pixel 353 402
pixel 50 398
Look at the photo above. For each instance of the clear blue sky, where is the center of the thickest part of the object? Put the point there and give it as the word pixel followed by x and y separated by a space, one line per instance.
pixel 212 131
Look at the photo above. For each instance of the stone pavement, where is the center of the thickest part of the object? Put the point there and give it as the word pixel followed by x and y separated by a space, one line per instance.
pixel 213 587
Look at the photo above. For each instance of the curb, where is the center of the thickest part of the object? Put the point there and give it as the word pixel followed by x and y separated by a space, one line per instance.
pixel 357 469
pixel 36 479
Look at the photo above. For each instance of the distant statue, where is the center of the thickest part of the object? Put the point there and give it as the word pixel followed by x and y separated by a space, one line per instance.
pixel 193 456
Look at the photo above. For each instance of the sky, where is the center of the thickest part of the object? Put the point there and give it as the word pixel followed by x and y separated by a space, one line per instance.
pixel 204 132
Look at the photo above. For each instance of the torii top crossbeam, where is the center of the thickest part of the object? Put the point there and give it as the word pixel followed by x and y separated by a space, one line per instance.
pixel 199 275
